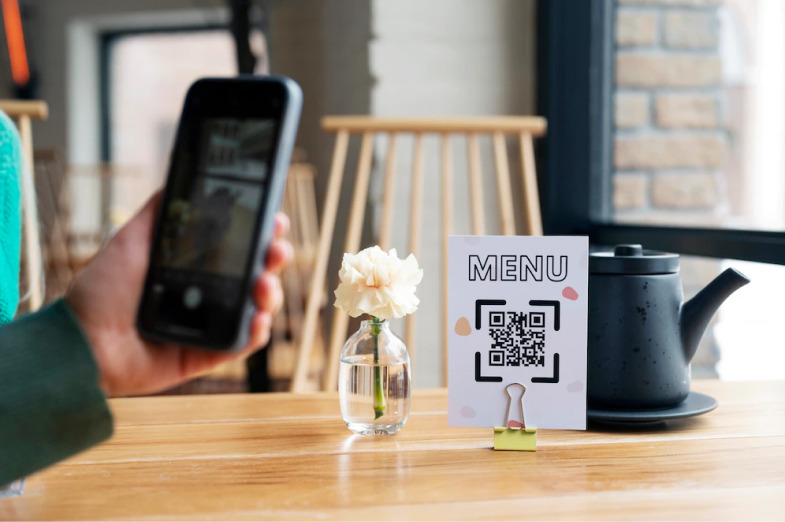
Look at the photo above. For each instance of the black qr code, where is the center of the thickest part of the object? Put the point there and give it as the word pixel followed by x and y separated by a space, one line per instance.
pixel 518 338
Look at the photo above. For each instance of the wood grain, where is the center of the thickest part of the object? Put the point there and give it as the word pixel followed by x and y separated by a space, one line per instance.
pixel 531 194
pixel 385 229
pixel 475 185
pixel 534 125
pixel 498 127
pixel 503 189
pixel 415 232
pixel 353 234
pixel 299 380
pixel 289 457
pixel 34 109
pixel 446 190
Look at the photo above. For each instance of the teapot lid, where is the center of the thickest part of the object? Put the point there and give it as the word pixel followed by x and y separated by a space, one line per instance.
pixel 633 259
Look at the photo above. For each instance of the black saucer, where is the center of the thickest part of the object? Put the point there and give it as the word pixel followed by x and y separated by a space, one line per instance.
pixel 695 404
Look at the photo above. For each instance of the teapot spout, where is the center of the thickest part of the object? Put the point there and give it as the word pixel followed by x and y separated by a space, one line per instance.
pixel 698 311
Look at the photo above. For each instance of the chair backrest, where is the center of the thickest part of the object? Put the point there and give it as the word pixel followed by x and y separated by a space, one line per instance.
pixel 299 203
pixel 23 112
pixel 524 128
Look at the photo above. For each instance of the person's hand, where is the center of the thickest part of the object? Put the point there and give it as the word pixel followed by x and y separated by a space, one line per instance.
pixel 106 295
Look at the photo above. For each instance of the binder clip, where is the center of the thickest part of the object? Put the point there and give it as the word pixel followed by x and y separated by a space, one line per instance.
pixel 514 435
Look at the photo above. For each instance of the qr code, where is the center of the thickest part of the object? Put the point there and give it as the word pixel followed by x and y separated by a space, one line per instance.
pixel 518 338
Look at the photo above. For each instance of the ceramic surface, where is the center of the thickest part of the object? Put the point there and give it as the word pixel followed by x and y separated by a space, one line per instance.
pixel 641 334
pixel 695 404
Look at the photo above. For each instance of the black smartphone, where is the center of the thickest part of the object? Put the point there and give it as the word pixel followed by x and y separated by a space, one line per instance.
pixel 217 216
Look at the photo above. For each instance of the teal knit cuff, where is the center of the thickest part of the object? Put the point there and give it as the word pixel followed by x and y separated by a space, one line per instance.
pixel 50 403
pixel 10 218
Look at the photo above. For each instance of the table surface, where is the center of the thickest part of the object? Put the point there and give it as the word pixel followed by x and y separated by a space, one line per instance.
pixel 282 456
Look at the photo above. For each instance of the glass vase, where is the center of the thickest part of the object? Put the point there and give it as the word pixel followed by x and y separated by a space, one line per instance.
pixel 374 383
pixel 13 489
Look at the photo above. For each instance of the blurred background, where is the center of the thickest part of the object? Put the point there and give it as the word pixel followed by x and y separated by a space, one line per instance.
pixel 698 128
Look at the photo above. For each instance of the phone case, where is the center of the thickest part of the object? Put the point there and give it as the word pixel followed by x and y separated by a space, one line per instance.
pixel 279 168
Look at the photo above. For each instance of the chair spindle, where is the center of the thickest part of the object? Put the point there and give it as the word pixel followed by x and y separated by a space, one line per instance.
pixel 530 193
pixel 415 226
pixel 447 213
pixel 475 185
pixel 503 184
pixel 320 264
pixel 385 234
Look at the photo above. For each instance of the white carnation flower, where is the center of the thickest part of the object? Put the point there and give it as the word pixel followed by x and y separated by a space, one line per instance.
pixel 378 283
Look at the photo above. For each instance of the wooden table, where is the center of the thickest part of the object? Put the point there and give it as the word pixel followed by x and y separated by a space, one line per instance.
pixel 282 456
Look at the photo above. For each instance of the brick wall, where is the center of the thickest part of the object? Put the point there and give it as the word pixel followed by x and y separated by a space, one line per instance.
pixel 670 141
pixel 670 144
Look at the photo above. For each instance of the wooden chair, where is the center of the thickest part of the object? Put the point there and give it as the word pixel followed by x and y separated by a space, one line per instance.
pixel 23 112
pixel 115 190
pixel 524 128
pixel 54 223
pixel 299 204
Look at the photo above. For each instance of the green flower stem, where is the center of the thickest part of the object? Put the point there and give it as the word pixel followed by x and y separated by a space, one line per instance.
pixel 378 391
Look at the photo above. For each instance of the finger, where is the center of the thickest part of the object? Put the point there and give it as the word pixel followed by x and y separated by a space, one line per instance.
pixel 194 363
pixel 268 293
pixel 278 255
pixel 261 326
pixel 282 224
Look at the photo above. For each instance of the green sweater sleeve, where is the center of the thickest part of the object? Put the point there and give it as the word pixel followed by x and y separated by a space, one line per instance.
pixel 10 217
pixel 51 406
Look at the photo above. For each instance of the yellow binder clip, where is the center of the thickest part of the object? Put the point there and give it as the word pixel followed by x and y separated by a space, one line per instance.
pixel 515 435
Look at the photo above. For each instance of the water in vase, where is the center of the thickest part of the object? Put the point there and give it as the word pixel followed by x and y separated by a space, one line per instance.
pixel 359 392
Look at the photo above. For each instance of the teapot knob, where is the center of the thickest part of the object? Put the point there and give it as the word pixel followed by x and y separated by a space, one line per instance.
pixel 628 250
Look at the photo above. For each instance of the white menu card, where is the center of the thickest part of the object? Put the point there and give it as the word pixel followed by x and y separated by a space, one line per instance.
pixel 518 314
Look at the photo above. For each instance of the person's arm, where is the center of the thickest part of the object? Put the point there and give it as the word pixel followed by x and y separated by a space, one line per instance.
pixel 57 364
pixel 51 406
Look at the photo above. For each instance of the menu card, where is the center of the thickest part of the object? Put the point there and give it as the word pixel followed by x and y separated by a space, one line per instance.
pixel 518 314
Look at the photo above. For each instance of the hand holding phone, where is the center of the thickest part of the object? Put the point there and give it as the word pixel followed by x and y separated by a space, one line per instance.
pixel 105 300
pixel 225 183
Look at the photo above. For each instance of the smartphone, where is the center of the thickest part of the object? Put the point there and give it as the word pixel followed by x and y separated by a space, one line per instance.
pixel 226 180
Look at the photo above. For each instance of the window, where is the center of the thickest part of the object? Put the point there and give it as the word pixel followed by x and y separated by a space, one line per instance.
pixel 699 100
pixel 665 129
pixel 146 75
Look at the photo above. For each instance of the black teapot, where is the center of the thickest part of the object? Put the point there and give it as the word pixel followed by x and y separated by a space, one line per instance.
pixel 642 335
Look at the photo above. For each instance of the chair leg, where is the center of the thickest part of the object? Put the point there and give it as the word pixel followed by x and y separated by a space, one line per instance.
pixel 258 377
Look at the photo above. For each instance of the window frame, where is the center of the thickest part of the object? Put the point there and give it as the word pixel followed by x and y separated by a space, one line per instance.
pixel 107 40
pixel 576 63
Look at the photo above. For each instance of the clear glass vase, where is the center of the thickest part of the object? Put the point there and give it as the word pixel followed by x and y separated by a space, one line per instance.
pixel 374 383
pixel 13 489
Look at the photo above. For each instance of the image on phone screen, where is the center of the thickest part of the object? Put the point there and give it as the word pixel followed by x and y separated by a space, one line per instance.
pixel 209 221
pixel 211 217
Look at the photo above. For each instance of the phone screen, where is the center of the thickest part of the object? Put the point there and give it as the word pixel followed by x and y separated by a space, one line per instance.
pixel 208 225
pixel 210 219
